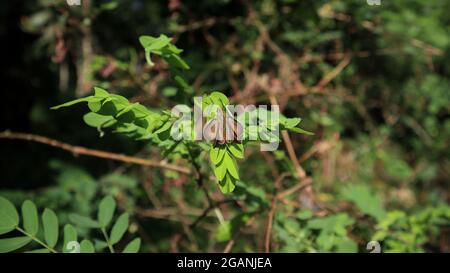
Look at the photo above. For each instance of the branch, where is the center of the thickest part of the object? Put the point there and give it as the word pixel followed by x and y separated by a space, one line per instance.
pixel 273 205
pixel 78 150
pixel 290 148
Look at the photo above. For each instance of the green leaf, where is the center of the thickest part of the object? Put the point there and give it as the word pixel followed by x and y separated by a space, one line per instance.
pixel 133 246
pixel 214 155
pixel 223 233
pixel 70 234
pixel 119 228
pixel 100 92
pixel 70 103
pixel 220 171
pixel 231 165
pixel 100 245
pixel 83 221
pixel 182 83
pixel 95 106
pixel 11 244
pixel 305 214
pixel 95 120
pixel 146 40
pixel 290 122
pixel 87 246
pixel 176 61
pixel 106 211
pixel 331 223
pixel 228 184
pixel 221 153
pixel 365 200
pixel 236 149
pixel 345 245
pixel 30 217
pixel 40 250
pixel 9 218
pixel 300 131
pixel 50 223
pixel 158 43
pixel 219 98
pixel 217 154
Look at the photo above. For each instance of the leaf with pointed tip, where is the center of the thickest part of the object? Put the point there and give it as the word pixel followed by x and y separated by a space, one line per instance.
pixel 219 98
pixel 100 92
pixel 133 246
pixel 236 149
pixel 119 228
pixel 300 131
pixel 231 166
pixel 228 184
pixel 213 154
pixel 290 122
pixel 70 103
pixel 220 171
pixel 176 61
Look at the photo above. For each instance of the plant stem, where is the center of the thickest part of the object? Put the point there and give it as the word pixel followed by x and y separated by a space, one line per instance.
pixel 211 204
pixel 107 240
pixel 37 240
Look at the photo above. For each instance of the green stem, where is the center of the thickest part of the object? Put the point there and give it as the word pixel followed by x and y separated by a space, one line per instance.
pixel 37 240
pixel 111 249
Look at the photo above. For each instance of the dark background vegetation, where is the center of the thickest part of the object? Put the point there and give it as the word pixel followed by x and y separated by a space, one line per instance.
pixel 372 83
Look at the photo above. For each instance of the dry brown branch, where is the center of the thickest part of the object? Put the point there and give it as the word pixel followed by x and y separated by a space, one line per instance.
pixel 334 72
pixel 297 187
pixel 78 150
pixel 273 205
pixel 290 148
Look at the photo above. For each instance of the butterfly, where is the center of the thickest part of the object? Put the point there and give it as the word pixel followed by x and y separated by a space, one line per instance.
pixel 223 129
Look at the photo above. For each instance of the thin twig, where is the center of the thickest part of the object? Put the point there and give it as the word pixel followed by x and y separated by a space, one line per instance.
pixel 211 207
pixel 273 206
pixel 334 72
pixel 290 148
pixel 297 187
pixel 78 150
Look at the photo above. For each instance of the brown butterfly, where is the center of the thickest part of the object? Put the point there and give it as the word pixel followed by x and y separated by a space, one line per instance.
pixel 223 129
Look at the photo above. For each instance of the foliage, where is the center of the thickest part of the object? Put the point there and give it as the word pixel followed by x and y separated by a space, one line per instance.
pixel 408 233
pixel 371 82
pixel 138 122
pixel 47 239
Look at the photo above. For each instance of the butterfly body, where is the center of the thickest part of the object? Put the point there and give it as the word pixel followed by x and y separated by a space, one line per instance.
pixel 223 129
